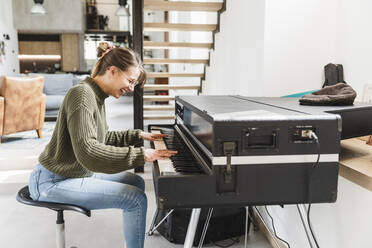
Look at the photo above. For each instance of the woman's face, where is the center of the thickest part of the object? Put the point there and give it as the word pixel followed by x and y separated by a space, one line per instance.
pixel 122 81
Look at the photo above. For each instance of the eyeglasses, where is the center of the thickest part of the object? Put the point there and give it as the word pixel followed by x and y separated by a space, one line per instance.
pixel 132 82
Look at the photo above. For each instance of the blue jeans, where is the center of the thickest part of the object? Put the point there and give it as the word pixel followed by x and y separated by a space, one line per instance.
pixel 123 190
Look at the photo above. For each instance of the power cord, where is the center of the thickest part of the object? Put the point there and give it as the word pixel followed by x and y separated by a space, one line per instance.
pixel 272 223
pixel 315 137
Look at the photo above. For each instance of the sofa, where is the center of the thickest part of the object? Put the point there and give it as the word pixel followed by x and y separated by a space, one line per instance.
pixel 55 89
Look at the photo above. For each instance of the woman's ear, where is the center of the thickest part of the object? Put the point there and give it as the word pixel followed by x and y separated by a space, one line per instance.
pixel 113 70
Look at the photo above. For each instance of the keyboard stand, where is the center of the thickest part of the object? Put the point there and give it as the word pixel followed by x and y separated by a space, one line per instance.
pixel 193 224
pixel 153 227
pixel 191 230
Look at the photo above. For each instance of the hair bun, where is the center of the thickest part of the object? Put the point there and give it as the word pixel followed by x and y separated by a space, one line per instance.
pixel 102 47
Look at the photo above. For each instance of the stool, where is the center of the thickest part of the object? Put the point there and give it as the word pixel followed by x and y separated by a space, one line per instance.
pixel 23 196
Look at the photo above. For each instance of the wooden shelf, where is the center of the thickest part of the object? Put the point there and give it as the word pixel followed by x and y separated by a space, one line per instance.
pixel 167 45
pixel 149 98
pixel 169 107
pixel 182 6
pixel 174 61
pixel 356 162
pixel 166 27
pixel 159 117
pixel 168 75
pixel 99 31
pixel 148 87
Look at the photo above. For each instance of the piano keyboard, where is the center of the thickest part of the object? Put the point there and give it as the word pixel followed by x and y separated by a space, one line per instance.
pixel 183 161
pixel 165 165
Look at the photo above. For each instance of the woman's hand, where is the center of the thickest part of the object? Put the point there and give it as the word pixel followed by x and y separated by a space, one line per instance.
pixel 152 136
pixel 151 154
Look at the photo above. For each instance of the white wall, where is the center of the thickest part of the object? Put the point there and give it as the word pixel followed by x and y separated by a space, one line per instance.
pixel 237 62
pixel 61 16
pixel 354 42
pixel 299 41
pixel 9 63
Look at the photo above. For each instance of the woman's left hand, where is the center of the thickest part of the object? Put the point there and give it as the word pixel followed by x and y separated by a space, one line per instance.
pixel 153 136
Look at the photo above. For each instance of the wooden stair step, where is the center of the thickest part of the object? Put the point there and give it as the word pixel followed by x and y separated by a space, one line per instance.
pixel 159 117
pixel 167 45
pixel 175 61
pixel 169 87
pixel 150 98
pixel 168 75
pixel 158 107
pixel 182 6
pixel 166 27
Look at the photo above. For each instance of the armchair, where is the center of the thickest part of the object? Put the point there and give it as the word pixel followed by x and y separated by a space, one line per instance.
pixel 22 104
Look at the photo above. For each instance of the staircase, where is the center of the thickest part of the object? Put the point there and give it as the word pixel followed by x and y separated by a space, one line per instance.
pixel 161 107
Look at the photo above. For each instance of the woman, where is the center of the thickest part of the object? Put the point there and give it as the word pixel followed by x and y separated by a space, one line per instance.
pixel 84 163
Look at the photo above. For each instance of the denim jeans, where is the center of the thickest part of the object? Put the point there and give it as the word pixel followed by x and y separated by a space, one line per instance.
pixel 123 190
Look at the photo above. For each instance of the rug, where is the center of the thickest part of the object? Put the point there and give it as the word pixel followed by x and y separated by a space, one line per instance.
pixel 27 139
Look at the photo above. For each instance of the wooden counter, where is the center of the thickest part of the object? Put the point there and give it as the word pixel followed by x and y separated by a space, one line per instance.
pixel 356 161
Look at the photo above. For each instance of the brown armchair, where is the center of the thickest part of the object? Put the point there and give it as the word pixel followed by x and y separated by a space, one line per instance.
pixel 22 104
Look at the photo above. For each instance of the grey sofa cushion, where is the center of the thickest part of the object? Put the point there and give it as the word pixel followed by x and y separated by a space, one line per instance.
pixel 76 80
pixel 56 84
pixel 51 113
pixel 54 101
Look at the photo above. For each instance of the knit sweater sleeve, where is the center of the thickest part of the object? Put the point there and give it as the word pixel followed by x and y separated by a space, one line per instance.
pixel 123 138
pixel 97 156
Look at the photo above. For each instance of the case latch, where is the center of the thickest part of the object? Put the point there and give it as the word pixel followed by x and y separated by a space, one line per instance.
pixel 228 150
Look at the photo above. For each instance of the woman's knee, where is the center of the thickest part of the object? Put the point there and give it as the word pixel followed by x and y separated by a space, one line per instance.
pixel 141 183
pixel 142 199
pixel 133 199
pixel 138 181
pixel 138 201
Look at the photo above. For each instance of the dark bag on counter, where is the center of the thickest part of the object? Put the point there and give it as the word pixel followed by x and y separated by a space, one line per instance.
pixel 333 74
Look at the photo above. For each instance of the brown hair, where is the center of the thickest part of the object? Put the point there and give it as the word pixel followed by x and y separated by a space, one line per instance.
pixel 120 57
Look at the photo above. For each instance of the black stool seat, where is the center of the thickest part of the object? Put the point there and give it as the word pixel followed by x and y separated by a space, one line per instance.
pixel 23 196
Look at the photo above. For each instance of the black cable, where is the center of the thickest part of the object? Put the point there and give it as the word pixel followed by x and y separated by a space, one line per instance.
pixel 272 224
pixel 311 230
pixel 309 188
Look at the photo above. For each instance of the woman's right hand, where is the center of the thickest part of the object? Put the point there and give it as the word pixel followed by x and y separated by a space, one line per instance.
pixel 151 154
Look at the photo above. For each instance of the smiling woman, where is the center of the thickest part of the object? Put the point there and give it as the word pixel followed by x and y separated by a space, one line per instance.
pixel 84 164
pixel 117 70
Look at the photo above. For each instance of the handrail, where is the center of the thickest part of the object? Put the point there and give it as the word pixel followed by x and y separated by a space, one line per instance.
pixel 137 14
pixel 137 10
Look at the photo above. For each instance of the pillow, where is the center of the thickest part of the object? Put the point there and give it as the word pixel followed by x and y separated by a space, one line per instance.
pixel 54 101
pixel 57 84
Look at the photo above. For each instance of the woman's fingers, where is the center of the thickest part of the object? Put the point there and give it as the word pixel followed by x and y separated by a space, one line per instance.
pixel 152 154
pixel 158 136
pixel 164 154
pixel 165 151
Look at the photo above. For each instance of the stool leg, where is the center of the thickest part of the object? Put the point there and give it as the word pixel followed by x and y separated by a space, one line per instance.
pixel 60 231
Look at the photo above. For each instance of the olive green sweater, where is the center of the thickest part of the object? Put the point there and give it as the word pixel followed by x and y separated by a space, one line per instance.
pixel 81 143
